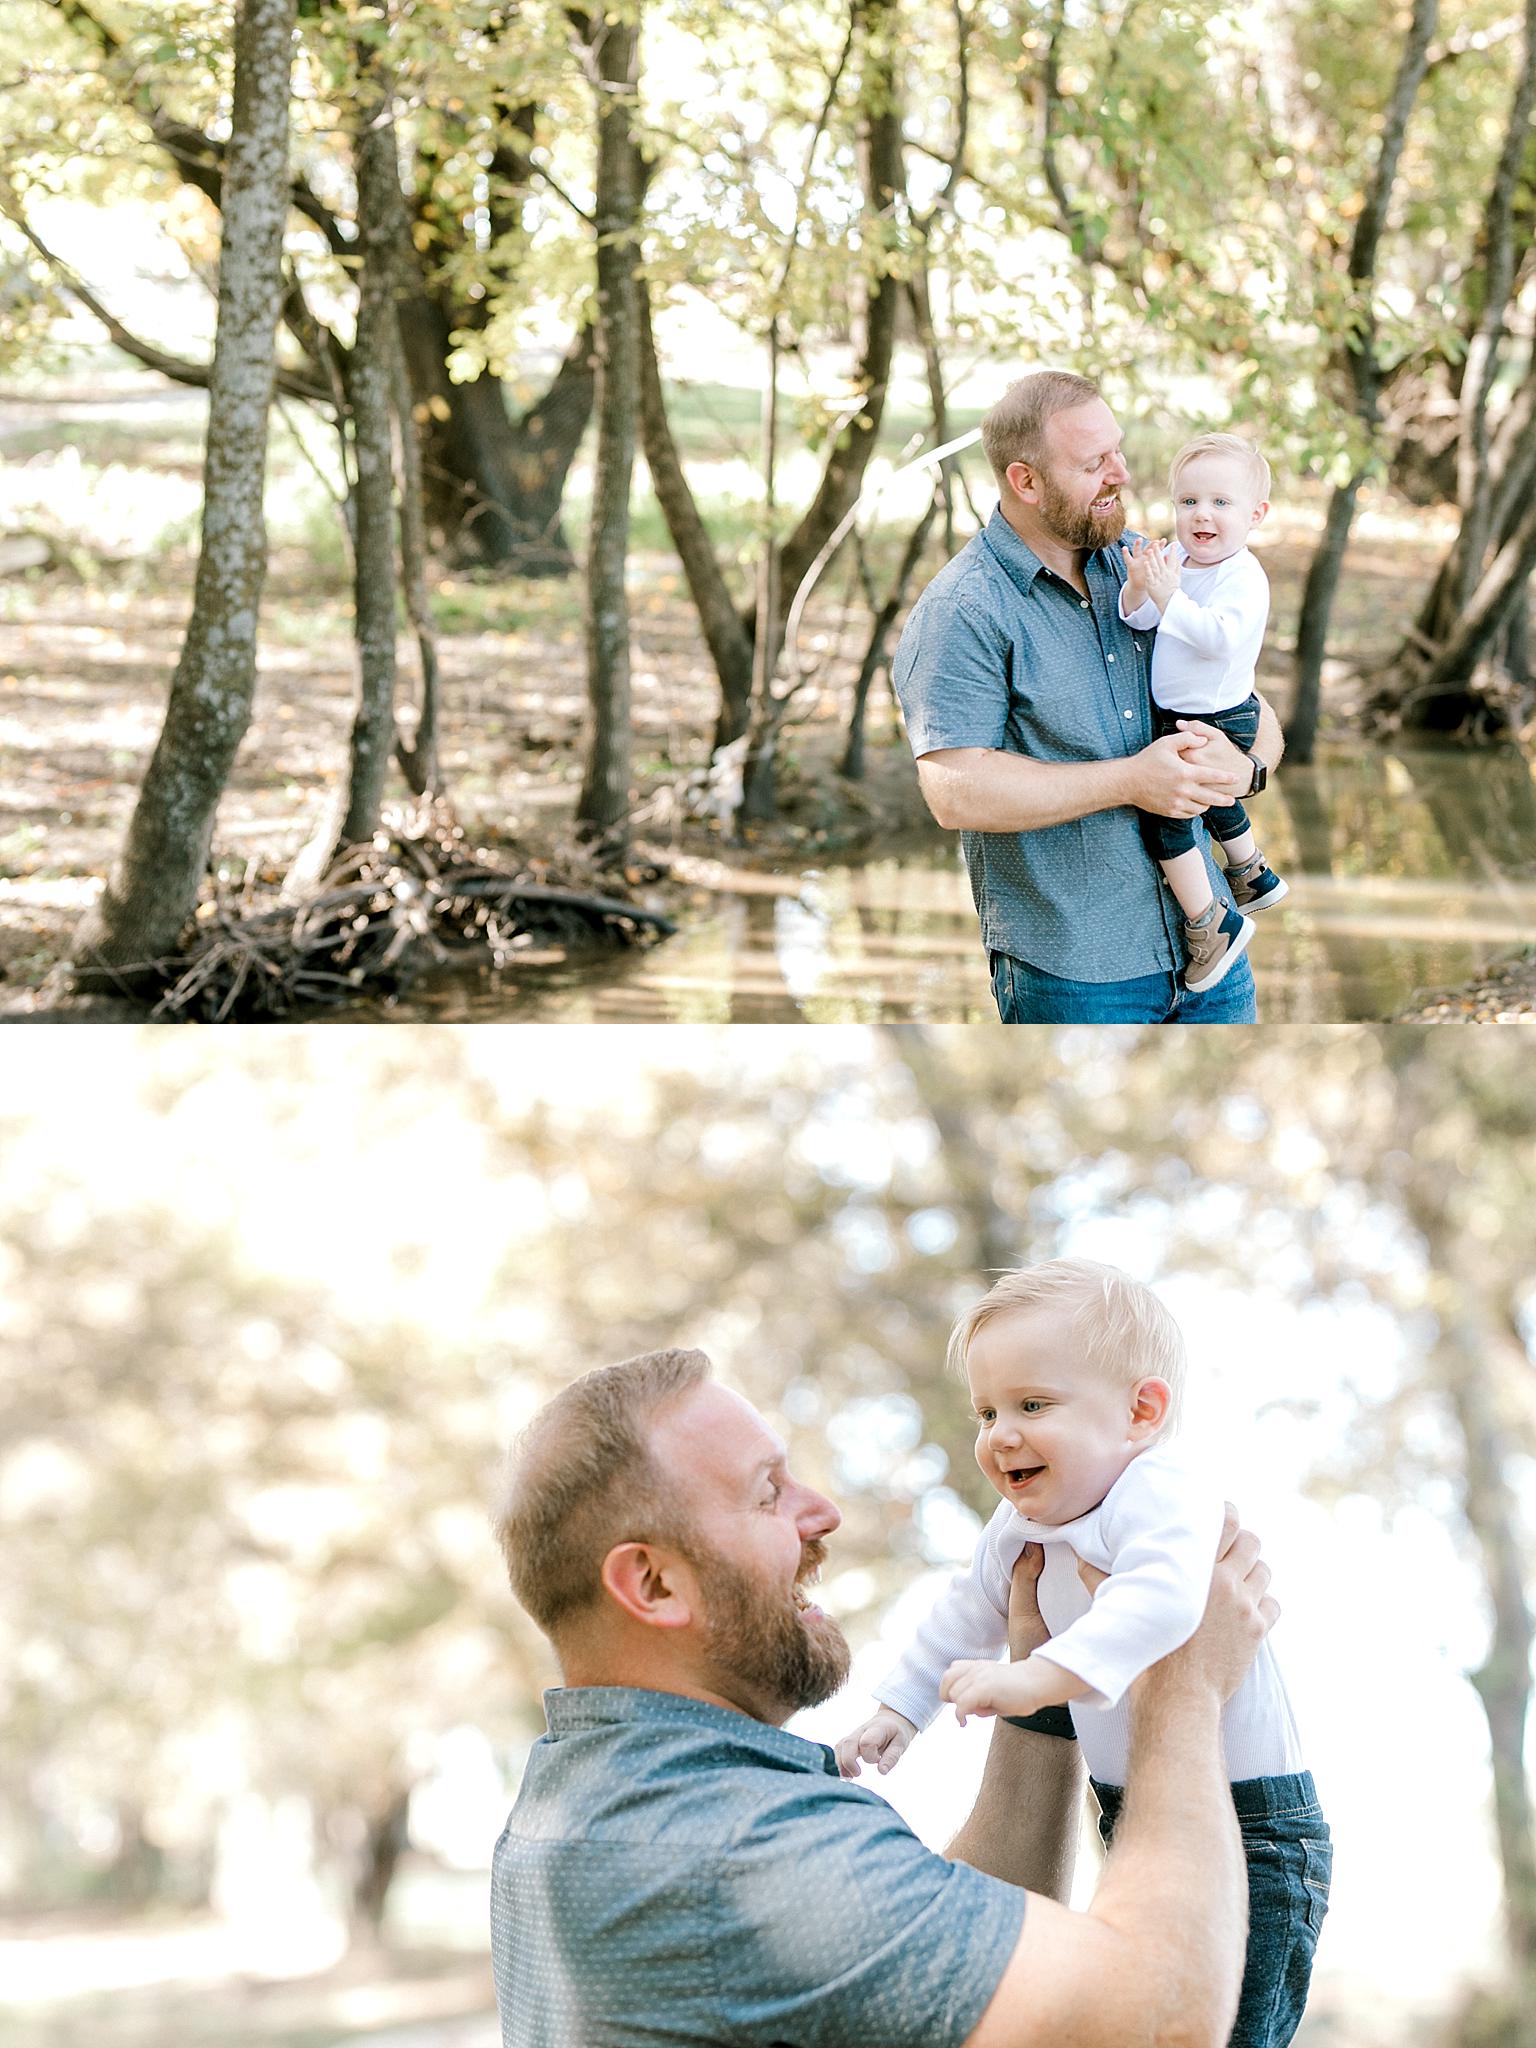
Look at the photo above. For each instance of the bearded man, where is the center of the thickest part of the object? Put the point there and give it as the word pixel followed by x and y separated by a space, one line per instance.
pixel 1028 706
pixel 680 1869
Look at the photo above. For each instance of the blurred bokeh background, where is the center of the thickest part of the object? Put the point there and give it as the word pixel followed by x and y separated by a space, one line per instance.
pixel 270 1312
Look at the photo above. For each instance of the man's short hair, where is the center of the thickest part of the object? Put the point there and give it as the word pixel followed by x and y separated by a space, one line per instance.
pixel 1123 1330
pixel 582 1478
pixel 1254 465
pixel 1014 430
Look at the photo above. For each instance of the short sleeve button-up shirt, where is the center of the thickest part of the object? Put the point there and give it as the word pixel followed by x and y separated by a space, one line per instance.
pixel 1001 652
pixel 674 1872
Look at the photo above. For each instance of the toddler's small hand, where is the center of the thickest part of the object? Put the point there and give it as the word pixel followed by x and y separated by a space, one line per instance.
pixel 971 1687
pixel 880 1741
pixel 1162 575
pixel 1137 559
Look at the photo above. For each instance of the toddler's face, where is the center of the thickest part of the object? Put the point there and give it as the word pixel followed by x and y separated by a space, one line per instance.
pixel 1214 507
pixel 1053 1436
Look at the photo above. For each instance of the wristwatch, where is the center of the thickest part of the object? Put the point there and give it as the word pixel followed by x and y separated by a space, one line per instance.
pixel 1260 777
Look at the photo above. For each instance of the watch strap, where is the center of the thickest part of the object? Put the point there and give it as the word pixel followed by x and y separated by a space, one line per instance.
pixel 1049 1721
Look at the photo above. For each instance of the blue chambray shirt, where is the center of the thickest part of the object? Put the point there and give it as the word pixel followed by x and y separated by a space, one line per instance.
pixel 1000 651
pixel 675 1872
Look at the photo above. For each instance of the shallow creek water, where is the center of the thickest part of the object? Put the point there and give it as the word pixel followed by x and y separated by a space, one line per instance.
pixel 1410 871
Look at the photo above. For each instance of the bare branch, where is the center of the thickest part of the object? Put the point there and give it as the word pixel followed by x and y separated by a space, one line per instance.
pixel 180 369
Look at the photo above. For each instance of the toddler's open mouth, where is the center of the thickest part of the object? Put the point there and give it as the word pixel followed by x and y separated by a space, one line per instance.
pixel 1020 1476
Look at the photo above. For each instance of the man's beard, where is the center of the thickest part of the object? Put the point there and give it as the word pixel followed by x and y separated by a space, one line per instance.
pixel 761 1646
pixel 1075 529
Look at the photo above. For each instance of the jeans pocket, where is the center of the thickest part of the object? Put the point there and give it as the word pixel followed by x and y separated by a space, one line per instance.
pixel 1317 1876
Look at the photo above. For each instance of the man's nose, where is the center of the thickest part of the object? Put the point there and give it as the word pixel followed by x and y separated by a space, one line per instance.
pixel 818 1516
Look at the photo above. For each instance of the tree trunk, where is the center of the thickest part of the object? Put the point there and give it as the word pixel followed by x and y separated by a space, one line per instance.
pixel 784 569
pixel 1312 629
pixel 386 1837
pixel 1364 371
pixel 495 479
pixel 1448 676
pixel 1514 457
pixel 852 764
pixel 613 56
pixel 884 183
pixel 729 646
pixel 374 582
pixel 153 888
pixel 1503 1680
pixel 1496 264
pixel 1482 1365
pixel 418 760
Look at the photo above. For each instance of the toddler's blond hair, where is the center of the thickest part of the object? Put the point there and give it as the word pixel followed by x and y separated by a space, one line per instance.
pixel 1122 1328
pixel 1223 444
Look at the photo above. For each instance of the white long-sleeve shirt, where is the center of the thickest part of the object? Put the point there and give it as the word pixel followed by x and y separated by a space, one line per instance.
pixel 1155 1533
pixel 1209 636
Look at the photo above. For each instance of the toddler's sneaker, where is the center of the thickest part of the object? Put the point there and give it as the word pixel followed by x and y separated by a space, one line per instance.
pixel 1256 886
pixel 1215 941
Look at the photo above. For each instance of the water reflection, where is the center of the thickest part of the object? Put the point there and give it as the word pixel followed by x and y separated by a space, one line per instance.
pixel 1410 871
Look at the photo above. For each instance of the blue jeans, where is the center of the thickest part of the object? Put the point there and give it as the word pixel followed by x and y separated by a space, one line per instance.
pixel 1028 995
pixel 1165 837
pixel 1289 1853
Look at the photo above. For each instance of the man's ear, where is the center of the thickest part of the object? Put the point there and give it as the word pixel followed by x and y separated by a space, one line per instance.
pixel 1150 1403
pixel 1021 480
pixel 650 1585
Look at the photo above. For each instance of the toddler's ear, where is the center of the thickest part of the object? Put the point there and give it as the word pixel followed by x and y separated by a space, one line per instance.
pixel 1149 1407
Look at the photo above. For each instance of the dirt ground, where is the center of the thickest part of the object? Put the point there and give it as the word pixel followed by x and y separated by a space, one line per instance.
pixel 86 652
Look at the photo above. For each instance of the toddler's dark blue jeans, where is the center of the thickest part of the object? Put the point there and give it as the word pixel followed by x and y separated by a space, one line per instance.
pixel 1289 1852
pixel 1164 837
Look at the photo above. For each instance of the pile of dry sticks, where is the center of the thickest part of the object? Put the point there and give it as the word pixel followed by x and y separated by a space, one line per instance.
pixel 416 897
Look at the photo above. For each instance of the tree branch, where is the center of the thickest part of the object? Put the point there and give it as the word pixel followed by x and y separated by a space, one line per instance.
pixel 199 158
pixel 180 369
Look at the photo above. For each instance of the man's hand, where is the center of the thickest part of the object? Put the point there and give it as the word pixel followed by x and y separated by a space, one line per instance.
pixel 1026 1630
pixel 1221 756
pixel 1239 1614
pixel 1181 775
pixel 880 1741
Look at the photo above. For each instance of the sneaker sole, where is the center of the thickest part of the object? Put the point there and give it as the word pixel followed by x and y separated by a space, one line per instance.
pixel 1226 963
pixel 1267 901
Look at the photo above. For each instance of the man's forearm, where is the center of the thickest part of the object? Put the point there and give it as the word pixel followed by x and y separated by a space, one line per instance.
pixel 1175 1879
pixel 1023 1827
pixel 979 789
pixel 1269 740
